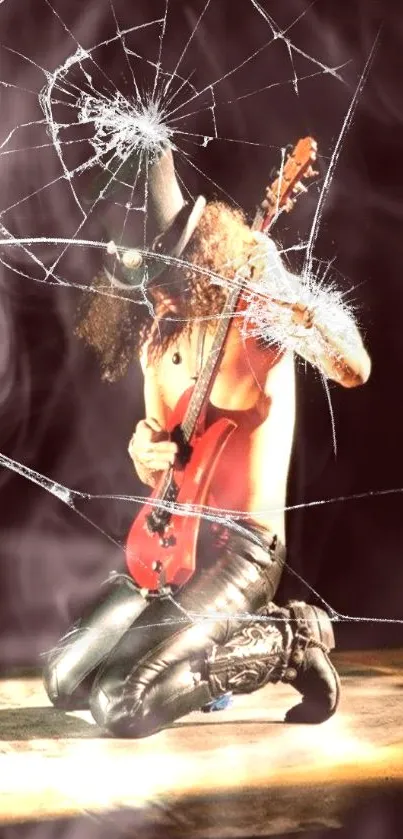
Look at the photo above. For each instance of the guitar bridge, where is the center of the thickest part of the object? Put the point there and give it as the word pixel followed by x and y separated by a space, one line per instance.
pixel 158 519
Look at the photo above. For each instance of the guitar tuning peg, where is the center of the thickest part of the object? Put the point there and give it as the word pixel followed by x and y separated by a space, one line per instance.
pixel 310 172
pixel 299 187
pixel 289 204
pixel 270 196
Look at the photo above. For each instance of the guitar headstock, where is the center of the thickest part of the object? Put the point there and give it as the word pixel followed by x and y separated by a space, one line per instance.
pixel 283 192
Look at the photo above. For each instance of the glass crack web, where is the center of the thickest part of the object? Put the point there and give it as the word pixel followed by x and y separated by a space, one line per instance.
pixel 107 130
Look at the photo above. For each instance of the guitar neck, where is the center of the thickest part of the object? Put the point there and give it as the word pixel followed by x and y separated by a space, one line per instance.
pixel 205 382
pixel 202 389
pixel 207 376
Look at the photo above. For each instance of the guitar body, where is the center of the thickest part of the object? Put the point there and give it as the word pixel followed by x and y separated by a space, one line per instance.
pixel 155 558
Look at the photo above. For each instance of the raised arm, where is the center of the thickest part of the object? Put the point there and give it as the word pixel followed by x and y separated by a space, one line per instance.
pixel 339 353
pixel 309 318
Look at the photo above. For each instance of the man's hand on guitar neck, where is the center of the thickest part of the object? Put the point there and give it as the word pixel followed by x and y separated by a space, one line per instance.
pixel 151 450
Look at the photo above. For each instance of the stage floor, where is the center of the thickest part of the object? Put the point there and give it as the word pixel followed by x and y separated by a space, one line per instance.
pixel 241 772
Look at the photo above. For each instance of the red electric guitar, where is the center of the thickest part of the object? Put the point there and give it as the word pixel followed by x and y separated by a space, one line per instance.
pixel 161 546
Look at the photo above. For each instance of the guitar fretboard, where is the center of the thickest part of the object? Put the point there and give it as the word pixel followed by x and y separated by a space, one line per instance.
pixel 206 378
pixel 201 392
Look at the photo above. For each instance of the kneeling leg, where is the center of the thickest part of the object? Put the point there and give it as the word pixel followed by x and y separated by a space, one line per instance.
pixel 135 695
pixel 70 666
pixel 189 670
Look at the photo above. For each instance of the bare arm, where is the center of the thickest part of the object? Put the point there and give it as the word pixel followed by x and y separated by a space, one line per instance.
pixel 150 448
pixel 308 318
pixel 339 353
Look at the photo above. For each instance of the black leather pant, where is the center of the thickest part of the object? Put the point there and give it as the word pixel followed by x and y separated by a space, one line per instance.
pixel 141 663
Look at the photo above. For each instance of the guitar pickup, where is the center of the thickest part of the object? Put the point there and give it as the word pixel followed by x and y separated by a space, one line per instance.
pixel 185 449
pixel 157 520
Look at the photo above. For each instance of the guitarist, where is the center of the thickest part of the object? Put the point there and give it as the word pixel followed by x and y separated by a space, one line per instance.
pixel 144 659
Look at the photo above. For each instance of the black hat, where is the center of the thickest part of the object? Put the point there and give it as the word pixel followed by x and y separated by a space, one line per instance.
pixel 174 221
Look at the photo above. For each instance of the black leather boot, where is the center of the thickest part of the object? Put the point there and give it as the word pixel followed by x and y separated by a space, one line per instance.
pixel 281 644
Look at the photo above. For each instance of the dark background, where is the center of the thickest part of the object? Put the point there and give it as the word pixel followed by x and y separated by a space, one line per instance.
pixel 56 415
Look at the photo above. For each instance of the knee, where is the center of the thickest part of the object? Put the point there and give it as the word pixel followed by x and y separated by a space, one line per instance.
pixel 58 686
pixel 119 713
pixel 65 677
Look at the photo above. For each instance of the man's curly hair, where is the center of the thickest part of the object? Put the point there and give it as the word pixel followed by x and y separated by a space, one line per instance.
pixel 115 323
